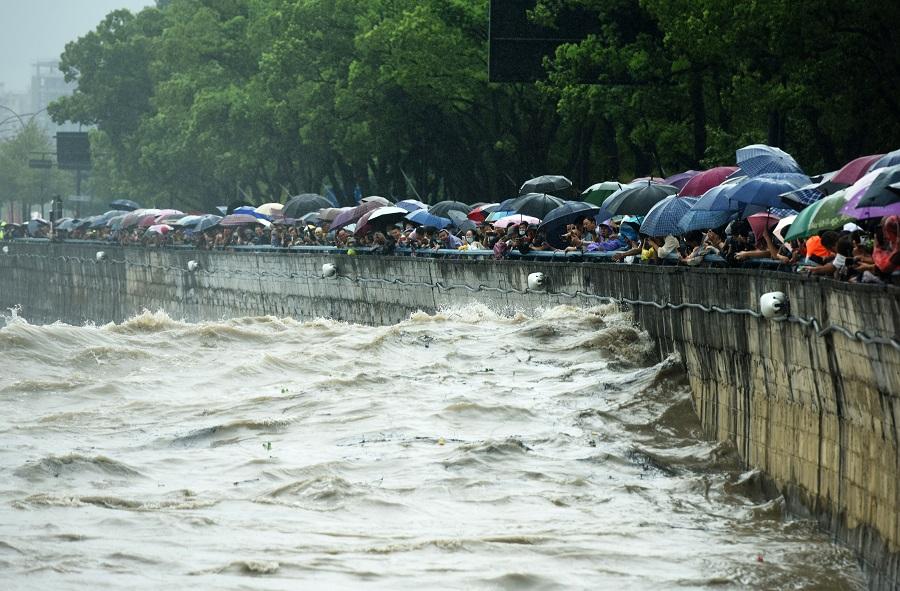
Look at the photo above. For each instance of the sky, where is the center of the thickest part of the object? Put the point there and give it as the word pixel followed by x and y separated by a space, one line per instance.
pixel 38 30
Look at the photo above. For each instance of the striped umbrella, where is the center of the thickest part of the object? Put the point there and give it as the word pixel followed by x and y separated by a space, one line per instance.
pixel 664 217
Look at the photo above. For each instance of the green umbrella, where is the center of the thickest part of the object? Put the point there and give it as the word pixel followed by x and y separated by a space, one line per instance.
pixel 595 194
pixel 824 214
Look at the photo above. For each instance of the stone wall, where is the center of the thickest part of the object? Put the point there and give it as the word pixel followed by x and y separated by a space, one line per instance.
pixel 818 414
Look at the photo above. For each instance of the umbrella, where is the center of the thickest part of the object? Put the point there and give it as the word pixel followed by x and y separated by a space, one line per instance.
pixel 545 184
pixel 300 205
pixel 807 194
pixel 515 219
pixel 680 180
pixel 188 220
pixel 160 229
pixel 880 193
pixel 352 215
pixel 664 217
pixel 35 225
pixel 146 220
pixel 379 218
pixel 637 199
pixel 249 210
pixel 597 193
pixel 411 204
pixel 498 213
pixel 480 213
pixel 648 179
pixel 856 192
pixel 442 208
pixel 854 170
pixel 376 199
pixel 97 221
pixel 781 225
pixel 116 222
pixel 66 224
pixel 704 219
pixel 717 199
pixel 761 222
pixel 536 204
pixel 207 221
pixel 124 205
pixel 236 205
pixel 889 159
pixel 271 209
pixel 824 214
pixel 706 180
pixel 239 219
pixel 556 221
pixel 327 214
pixel 310 218
pixel 765 190
pixel 760 159
pixel 423 218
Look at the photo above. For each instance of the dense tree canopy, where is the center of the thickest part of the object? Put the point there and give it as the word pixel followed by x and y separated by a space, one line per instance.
pixel 198 101
pixel 21 184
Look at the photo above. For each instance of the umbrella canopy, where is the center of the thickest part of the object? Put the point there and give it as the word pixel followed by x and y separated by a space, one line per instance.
pixel 498 213
pixel 704 219
pixel 160 229
pixel 480 212
pixel 597 193
pixel 760 159
pixel 249 210
pixel 300 205
pixel 376 199
pixel 680 180
pixel 239 219
pixel 379 218
pixel 855 169
pixel 780 227
pixel 237 205
pixel 822 215
pixel 536 205
pixel 116 222
pixel 880 193
pixel 206 222
pixel 637 199
pixel 124 205
pixel 271 209
pixel 35 225
pixel 98 221
pixel 328 214
pixel 761 222
pixel 516 218
pixel 411 204
pixel 765 190
pixel 146 220
pixel 856 192
pixel 351 216
pixel 423 218
pixel 188 220
pixel 888 159
pixel 442 208
pixel 664 217
pixel 555 222
pixel 646 179
pixel 706 180
pixel 66 224
pixel 545 184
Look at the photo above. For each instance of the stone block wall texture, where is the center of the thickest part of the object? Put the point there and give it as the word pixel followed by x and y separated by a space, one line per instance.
pixel 820 416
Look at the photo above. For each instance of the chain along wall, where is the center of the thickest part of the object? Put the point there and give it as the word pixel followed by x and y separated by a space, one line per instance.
pixel 813 401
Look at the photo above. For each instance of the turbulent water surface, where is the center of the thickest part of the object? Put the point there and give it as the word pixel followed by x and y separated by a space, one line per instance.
pixel 460 450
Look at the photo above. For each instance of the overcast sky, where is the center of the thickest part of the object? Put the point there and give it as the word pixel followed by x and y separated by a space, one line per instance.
pixel 38 30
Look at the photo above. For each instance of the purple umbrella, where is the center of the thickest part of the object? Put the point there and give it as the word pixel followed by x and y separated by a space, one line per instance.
pixel 856 192
pixel 680 180
pixel 352 215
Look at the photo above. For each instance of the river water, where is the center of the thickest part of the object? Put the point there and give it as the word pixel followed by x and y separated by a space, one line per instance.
pixel 462 450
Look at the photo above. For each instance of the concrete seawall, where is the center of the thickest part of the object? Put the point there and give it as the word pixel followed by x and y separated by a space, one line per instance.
pixel 818 414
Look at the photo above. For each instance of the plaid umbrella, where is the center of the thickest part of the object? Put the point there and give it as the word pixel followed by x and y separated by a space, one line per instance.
pixel 664 217
pixel 766 190
pixel 888 159
pixel 760 159
pixel 704 219
pixel 411 205
pixel 717 199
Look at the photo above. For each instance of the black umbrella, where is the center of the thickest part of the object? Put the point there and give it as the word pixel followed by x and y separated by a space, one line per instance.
pixel 637 199
pixel 461 220
pixel 124 205
pixel 235 204
pixel 881 193
pixel 206 222
pixel 537 205
pixel 545 184
pixel 66 224
pixel 554 224
pixel 35 225
pixel 300 205
pixel 443 208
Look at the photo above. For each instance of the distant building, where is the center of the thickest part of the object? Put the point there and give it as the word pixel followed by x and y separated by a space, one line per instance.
pixel 48 84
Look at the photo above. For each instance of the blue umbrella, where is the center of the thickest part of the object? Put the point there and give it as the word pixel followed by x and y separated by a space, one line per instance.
pixel 717 199
pixel 206 222
pixel 423 218
pixel 765 190
pixel 124 205
pixel 555 222
pixel 663 218
pixel 704 219
pixel 249 210
pixel 760 159
pixel 411 204
pixel 889 159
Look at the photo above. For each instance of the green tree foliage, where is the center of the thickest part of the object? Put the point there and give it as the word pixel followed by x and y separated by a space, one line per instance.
pixel 24 185
pixel 197 102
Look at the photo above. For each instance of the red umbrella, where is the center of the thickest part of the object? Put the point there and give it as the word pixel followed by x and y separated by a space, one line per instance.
pixel 854 170
pixel 480 212
pixel 706 180
pixel 760 222
pixel 147 220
